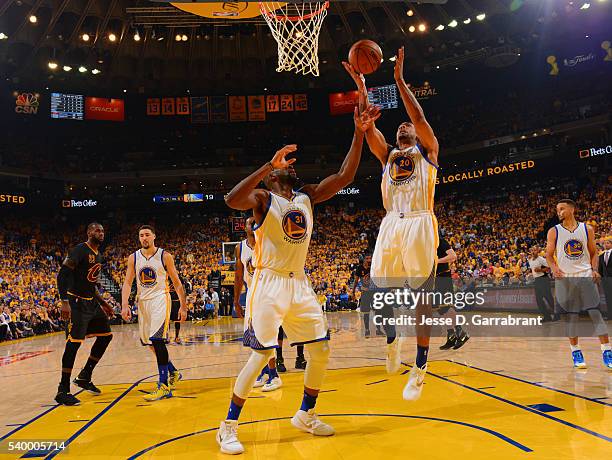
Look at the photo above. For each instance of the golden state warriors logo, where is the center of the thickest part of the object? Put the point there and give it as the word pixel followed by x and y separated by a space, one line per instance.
pixel 294 225
pixel 573 249
pixel 249 266
pixel 147 277
pixel 401 169
pixel 93 273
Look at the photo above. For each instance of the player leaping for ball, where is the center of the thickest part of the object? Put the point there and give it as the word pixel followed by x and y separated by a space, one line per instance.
pixel 405 251
pixel 281 293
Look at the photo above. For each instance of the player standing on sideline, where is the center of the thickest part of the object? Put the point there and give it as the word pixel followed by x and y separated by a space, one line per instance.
pixel 405 251
pixel 362 273
pixel 572 244
pixel 455 338
pixel 88 313
pixel 281 291
pixel 152 266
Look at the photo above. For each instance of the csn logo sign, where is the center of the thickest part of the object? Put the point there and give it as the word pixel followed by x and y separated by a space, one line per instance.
pixel 26 103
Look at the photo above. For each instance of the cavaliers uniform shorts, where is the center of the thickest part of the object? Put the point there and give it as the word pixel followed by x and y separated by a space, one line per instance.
pixel 154 318
pixel 174 310
pixel 87 319
pixel 285 299
pixel 405 251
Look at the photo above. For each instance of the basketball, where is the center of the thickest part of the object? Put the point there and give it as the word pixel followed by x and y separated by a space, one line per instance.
pixel 365 56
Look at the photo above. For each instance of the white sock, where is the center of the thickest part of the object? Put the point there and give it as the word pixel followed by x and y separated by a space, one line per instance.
pixel 575 347
pixel 606 346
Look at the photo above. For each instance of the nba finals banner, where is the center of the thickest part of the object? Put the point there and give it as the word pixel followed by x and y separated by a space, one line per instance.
pixel 168 107
pixel 218 109
pixel 199 110
pixel 257 108
pixel 237 108
pixel 153 106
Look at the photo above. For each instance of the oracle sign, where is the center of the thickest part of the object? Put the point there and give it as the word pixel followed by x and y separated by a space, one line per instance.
pixel 101 108
pixel 340 103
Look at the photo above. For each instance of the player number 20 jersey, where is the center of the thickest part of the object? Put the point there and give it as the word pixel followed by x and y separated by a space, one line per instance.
pixel 408 181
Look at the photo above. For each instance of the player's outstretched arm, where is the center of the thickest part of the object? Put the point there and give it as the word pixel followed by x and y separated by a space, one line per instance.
pixel 238 282
pixel 245 195
pixel 415 111
pixel 375 139
pixel 331 185
pixel 126 289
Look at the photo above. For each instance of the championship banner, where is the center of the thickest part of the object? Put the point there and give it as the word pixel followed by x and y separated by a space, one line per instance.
pixel 218 109
pixel 199 110
pixel 257 109
pixel 168 107
pixel 341 103
pixel 101 108
pixel 286 102
pixel 182 106
pixel 581 58
pixel 237 108
pixel 26 103
pixel 301 102
pixel 272 104
pixel 153 106
pixel 481 173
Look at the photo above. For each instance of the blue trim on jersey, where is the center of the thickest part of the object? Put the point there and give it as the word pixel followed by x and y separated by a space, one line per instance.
pixel 162 260
pixel 426 157
pixel 327 337
pixel 586 231
pixel 556 235
pixel 135 255
pixel 149 258
pixel 256 225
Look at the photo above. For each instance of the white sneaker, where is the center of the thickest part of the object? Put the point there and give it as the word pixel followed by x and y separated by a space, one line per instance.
pixel 310 423
pixel 227 438
pixel 273 384
pixel 260 382
pixel 414 387
pixel 394 359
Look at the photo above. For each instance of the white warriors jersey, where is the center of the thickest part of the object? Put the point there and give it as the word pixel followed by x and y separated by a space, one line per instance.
pixel 151 276
pixel 572 250
pixel 246 257
pixel 408 181
pixel 282 239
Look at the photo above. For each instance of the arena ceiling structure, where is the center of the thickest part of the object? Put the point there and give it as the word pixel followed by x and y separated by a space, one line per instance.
pixel 155 44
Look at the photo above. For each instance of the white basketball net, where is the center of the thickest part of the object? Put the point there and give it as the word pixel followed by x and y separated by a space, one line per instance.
pixel 296 28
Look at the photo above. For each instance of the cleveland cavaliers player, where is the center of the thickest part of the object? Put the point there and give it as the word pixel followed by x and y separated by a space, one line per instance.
pixel 281 293
pixel 405 251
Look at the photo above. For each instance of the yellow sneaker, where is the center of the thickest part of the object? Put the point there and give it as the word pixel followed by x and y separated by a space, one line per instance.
pixel 162 392
pixel 174 378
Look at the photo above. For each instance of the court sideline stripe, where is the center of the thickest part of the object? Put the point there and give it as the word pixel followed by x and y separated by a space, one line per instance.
pixel 97 417
pixel 469 425
pixel 527 408
pixel 595 400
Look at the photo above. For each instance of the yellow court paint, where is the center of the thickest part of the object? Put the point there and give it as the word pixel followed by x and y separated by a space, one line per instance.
pixel 463 411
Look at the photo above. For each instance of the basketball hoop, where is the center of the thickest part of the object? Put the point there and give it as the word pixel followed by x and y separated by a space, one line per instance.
pixel 296 28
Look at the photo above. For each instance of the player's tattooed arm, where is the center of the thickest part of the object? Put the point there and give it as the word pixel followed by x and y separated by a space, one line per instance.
pixel 375 139
pixel 415 111
pixel 331 185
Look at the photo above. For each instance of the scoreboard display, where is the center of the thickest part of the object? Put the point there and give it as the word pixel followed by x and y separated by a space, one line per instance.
pixel 67 106
pixel 383 97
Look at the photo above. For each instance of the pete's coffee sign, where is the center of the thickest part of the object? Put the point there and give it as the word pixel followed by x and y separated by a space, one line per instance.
pixel 26 103
pixel 595 151
pixel 79 203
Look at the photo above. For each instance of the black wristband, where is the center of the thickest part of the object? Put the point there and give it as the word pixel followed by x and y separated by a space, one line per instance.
pixel 269 163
